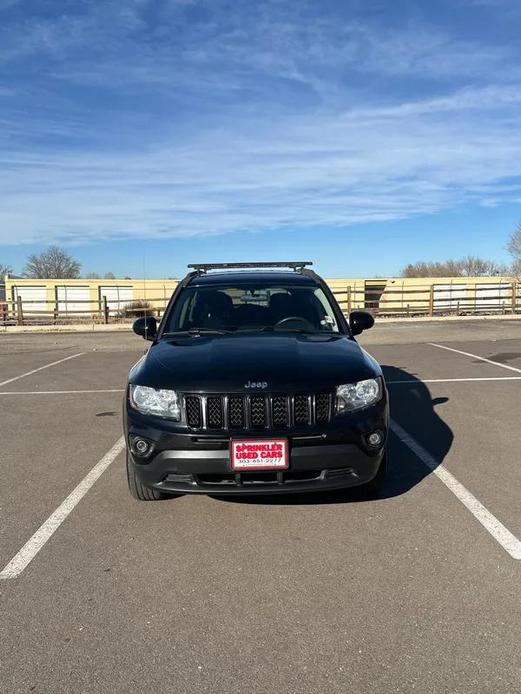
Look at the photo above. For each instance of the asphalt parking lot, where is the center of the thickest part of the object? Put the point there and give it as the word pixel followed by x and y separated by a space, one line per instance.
pixel 418 590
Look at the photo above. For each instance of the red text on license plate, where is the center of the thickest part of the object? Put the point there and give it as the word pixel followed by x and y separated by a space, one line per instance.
pixel 262 454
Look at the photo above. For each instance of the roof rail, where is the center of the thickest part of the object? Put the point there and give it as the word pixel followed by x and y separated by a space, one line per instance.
pixel 204 267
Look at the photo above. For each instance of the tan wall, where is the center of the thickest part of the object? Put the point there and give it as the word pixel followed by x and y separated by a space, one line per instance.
pixel 399 294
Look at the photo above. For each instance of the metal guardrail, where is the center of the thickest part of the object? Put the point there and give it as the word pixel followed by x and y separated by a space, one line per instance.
pixel 419 300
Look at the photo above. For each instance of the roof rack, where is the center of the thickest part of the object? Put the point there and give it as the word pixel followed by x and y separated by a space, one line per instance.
pixel 204 267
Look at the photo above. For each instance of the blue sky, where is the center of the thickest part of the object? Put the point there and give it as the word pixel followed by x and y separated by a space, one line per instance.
pixel 145 134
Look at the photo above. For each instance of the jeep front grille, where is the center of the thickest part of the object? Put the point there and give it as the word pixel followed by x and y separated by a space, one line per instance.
pixel 256 412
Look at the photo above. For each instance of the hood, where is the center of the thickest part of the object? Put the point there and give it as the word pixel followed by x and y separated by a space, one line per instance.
pixel 272 363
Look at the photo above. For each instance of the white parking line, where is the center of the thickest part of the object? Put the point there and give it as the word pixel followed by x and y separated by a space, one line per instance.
pixel 451 380
pixel 476 356
pixel 61 392
pixel 499 532
pixel 44 533
pixel 40 368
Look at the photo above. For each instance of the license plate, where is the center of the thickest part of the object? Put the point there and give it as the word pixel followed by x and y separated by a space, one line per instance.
pixel 259 454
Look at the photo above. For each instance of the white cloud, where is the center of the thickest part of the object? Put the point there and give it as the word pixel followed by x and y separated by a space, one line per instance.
pixel 290 39
pixel 312 131
pixel 320 170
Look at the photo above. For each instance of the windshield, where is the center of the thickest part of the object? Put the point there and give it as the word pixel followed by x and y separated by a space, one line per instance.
pixel 256 307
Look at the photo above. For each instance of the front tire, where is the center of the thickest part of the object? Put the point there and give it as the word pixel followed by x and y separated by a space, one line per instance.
pixel 137 488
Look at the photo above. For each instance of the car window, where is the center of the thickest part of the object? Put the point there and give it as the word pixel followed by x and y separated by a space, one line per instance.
pixel 264 307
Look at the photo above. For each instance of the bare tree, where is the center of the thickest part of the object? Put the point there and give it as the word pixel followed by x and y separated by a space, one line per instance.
pixel 5 270
pixel 52 263
pixel 109 276
pixel 471 266
pixel 514 248
pixel 450 268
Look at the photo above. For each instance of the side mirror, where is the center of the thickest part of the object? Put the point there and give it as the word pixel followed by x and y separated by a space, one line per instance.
pixel 146 327
pixel 360 321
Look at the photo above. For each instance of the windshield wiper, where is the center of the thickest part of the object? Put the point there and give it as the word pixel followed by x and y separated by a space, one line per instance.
pixel 296 330
pixel 194 332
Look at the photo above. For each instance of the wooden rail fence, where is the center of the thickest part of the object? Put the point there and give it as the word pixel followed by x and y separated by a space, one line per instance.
pixel 417 300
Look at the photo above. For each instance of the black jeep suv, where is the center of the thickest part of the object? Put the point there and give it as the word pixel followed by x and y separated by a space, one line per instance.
pixel 254 384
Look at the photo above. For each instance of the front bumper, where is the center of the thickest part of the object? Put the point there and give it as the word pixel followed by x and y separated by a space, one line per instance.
pixel 329 457
pixel 322 467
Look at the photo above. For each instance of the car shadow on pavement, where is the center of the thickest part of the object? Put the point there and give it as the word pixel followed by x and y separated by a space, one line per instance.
pixel 415 410
pixel 501 357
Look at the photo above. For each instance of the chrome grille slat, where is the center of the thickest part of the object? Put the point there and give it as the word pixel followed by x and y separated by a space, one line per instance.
pixel 269 418
pixel 204 412
pixel 256 413
pixel 289 410
pixel 247 412
pixel 225 412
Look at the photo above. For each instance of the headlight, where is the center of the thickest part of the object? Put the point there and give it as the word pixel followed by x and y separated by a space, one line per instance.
pixel 354 396
pixel 163 403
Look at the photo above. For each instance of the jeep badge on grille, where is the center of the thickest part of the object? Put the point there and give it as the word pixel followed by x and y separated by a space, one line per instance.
pixel 258 385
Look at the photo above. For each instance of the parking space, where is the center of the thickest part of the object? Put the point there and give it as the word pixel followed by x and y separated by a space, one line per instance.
pixel 430 363
pixel 14 366
pixel 95 372
pixel 38 471
pixel 501 352
pixel 484 447
pixel 333 593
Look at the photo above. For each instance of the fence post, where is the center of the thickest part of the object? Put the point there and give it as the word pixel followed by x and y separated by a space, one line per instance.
pixel 514 296
pixel 105 310
pixel 431 300
pixel 19 311
pixel 348 300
